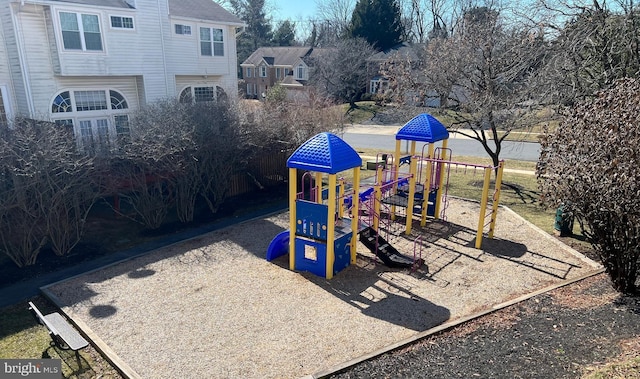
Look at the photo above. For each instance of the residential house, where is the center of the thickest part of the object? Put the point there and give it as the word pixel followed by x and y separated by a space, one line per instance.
pixel 413 54
pixel 89 64
pixel 404 51
pixel 287 66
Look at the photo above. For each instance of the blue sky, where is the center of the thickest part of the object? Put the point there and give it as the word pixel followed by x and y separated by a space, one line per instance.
pixel 292 9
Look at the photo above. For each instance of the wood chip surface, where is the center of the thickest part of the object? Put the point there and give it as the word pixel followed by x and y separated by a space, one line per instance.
pixel 213 307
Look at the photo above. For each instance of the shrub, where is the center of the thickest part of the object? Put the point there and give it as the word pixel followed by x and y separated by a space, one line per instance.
pixel 590 163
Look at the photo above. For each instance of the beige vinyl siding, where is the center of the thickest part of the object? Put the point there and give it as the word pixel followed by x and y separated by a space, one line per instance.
pixel 183 52
pixel 12 17
pixel 125 52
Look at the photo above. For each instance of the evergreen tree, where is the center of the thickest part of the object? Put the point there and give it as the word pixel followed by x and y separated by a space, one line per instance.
pixel 258 32
pixel 285 34
pixel 378 22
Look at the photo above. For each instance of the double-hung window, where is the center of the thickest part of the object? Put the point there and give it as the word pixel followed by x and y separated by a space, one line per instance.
pixel 80 31
pixel 263 71
pixel 249 72
pixel 211 42
pixel 121 22
pixel 301 73
pixel 184 30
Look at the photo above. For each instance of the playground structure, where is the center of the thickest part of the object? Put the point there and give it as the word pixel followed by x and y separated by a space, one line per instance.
pixel 327 216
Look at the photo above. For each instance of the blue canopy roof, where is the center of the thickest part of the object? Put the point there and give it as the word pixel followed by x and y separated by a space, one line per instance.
pixel 423 128
pixel 324 152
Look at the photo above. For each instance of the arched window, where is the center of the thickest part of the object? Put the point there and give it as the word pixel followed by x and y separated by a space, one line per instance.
pixel 117 100
pixel 98 117
pixel 185 96
pixel 62 103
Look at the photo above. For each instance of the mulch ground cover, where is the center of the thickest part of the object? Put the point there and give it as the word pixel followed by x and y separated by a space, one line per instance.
pixel 564 333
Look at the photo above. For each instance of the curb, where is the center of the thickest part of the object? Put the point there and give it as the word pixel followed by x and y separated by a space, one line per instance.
pixel 442 328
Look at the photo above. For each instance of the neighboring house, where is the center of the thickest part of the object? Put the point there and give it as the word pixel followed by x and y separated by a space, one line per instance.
pixel 412 53
pixel 378 83
pixel 89 64
pixel 287 66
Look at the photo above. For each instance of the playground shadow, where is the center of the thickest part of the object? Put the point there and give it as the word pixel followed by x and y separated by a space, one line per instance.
pixel 380 292
pixel 442 244
pixel 192 251
pixel 519 253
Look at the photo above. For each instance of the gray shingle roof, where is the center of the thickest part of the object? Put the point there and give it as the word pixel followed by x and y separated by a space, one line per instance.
pixel 202 10
pixel 401 50
pixel 277 56
pixel 284 56
pixel 197 9
pixel 101 3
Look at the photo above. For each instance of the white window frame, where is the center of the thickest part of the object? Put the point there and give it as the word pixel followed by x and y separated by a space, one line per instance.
pixel 249 72
pixel 211 42
pixel 194 88
pixel 175 31
pixel 378 85
pixel 95 142
pixel 263 71
pixel 77 117
pixel 133 23
pixel 301 72
pixel 83 44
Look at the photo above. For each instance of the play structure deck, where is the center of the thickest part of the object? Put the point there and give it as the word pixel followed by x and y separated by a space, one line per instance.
pixel 328 216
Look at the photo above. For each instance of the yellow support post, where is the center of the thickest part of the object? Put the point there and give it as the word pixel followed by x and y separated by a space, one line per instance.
pixel 441 181
pixel 483 206
pixel 355 213
pixel 319 187
pixel 340 198
pixel 396 161
pixel 331 226
pixel 376 206
pixel 412 193
pixel 427 185
pixel 496 199
pixel 293 191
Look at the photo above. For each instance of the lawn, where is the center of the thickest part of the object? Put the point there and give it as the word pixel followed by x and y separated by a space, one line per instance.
pixel 22 337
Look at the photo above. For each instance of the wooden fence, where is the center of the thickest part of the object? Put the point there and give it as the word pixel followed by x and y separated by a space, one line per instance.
pixel 267 171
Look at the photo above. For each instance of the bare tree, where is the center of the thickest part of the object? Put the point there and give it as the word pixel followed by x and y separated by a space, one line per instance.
pixel 336 13
pixel 45 191
pixel 590 164
pixel 592 43
pixel 220 149
pixel 147 166
pixel 480 73
pixel 341 72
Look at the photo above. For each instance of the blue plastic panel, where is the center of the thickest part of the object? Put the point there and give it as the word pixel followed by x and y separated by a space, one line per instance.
pixel 311 220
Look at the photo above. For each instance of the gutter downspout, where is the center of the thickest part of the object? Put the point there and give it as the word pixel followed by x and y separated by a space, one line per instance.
pixel 164 52
pixel 23 62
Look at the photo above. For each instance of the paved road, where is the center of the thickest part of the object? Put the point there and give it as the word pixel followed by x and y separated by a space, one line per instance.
pixel 380 137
